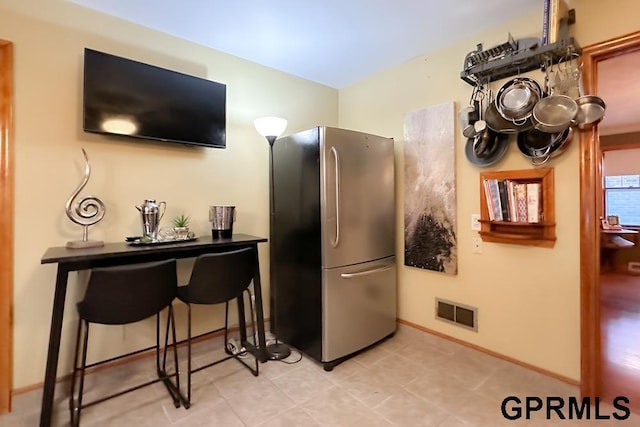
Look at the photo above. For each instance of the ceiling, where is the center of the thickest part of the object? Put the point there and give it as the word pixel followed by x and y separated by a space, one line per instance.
pixel 333 42
pixel 339 42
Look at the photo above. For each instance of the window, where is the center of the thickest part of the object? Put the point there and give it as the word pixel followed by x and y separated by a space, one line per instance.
pixel 622 198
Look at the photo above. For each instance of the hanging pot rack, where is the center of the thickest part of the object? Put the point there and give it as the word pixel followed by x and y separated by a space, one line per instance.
pixel 517 56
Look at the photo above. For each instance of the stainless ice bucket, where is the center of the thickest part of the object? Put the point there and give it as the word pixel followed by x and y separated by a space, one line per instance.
pixel 222 219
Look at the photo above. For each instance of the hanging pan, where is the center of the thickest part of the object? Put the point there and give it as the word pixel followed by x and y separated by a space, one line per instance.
pixel 554 113
pixel 516 98
pixel 491 154
pixel 498 123
pixel 469 115
pixel 539 146
pixel 591 110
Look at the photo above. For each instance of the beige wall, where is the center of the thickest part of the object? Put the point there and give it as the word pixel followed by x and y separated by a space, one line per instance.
pixel 49 39
pixel 528 298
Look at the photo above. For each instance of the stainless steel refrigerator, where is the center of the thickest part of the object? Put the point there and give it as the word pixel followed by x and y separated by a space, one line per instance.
pixel 333 271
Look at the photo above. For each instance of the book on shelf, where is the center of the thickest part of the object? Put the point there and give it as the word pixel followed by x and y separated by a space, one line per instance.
pixel 533 201
pixel 545 23
pixel 488 199
pixel 492 195
pixel 504 200
pixel 512 201
pixel 513 207
pixel 521 202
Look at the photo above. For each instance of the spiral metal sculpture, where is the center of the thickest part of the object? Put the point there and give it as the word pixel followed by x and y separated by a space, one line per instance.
pixel 88 210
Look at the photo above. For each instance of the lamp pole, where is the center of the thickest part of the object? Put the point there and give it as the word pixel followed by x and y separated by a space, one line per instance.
pixel 271 128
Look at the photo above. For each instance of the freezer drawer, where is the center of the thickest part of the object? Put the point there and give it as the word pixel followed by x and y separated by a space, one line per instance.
pixel 359 306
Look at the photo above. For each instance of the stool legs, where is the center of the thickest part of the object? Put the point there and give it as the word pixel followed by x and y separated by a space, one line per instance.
pixel 243 334
pixel 243 330
pixel 80 365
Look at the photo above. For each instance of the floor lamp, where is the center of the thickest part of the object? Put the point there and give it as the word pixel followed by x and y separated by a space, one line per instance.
pixel 271 128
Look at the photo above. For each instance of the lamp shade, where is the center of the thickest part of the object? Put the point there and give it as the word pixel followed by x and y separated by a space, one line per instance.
pixel 270 126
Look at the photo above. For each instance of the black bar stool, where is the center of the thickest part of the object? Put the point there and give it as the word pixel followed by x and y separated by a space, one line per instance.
pixel 219 278
pixel 122 295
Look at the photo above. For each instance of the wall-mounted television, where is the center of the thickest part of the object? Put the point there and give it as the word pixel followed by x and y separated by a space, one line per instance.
pixel 130 98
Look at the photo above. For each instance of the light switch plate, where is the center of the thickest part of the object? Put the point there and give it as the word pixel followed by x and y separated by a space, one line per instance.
pixel 475 222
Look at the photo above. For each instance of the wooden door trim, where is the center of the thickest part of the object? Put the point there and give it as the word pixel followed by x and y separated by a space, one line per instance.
pixel 590 212
pixel 6 223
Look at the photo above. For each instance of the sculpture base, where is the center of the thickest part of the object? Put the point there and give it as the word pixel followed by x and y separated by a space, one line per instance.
pixel 80 244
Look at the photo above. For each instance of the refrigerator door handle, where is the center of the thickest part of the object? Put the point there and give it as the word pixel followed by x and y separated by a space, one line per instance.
pixel 335 242
pixel 366 273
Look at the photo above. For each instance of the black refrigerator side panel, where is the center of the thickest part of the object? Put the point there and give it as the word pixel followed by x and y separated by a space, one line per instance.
pixel 296 298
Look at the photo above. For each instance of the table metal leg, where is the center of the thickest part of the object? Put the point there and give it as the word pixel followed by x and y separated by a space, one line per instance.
pixel 257 291
pixel 242 324
pixel 54 346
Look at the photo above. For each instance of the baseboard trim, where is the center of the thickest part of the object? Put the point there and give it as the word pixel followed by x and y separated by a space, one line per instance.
pixel 492 353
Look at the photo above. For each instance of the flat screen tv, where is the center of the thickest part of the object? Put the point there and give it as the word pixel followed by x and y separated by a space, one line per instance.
pixel 126 97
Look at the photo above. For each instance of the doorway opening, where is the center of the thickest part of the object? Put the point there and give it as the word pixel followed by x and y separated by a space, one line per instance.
pixel 593 341
pixel 619 249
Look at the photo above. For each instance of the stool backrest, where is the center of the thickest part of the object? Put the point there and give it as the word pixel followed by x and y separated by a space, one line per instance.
pixel 127 294
pixel 221 277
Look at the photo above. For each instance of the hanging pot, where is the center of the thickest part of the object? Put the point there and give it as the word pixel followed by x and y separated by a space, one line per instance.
pixel 539 146
pixel 590 111
pixel 468 116
pixel 486 140
pixel 554 113
pixel 485 143
pixel 489 156
pixel 499 124
pixel 516 98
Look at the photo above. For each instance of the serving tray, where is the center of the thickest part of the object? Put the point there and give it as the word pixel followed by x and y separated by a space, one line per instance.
pixel 160 242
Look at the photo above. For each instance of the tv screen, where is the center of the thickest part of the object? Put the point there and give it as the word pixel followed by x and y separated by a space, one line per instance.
pixel 126 97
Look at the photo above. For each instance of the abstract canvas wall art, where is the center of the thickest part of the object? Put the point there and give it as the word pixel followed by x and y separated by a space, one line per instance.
pixel 430 189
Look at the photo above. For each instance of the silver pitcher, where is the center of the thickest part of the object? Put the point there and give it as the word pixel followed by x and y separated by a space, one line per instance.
pixel 150 214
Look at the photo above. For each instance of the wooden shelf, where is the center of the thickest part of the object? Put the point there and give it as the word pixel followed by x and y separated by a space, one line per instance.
pixel 542 233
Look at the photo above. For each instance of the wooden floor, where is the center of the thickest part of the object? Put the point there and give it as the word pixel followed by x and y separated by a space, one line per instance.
pixel 620 326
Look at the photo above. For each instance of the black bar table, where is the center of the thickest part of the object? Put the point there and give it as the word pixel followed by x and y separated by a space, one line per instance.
pixel 122 253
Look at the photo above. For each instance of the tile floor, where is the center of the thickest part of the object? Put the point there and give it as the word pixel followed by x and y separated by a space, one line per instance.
pixel 411 379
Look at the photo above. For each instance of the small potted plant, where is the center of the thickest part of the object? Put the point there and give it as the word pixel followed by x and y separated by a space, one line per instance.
pixel 181 227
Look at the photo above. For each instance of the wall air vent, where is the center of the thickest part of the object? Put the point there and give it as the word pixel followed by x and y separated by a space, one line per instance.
pixel 458 314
